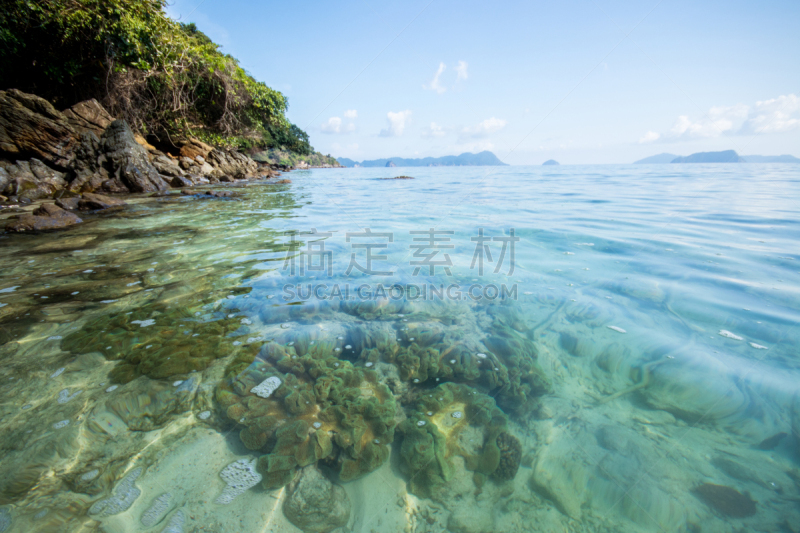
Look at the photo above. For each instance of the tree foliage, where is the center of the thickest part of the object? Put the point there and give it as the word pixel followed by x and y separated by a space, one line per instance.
pixel 165 78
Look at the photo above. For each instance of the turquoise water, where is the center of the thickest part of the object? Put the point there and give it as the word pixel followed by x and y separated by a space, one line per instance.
pixel 644 354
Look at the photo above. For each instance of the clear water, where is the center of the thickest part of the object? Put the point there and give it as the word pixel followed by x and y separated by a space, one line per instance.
pixel 660 304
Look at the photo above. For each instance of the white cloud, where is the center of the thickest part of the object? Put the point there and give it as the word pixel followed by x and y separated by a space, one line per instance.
pixel 773 116
pixel 776 115
pixel 461 71
pixel 434 130
pixel 485 128
pixel 717 121
pixel 435 85
pixel 334 125
pixel 397 123
pixel 351 113
pixel 650 136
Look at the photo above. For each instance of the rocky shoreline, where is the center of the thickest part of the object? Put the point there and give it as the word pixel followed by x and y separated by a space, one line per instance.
pixel 79 157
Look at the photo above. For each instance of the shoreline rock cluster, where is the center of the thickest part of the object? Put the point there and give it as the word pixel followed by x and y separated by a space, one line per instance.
pixel 61 155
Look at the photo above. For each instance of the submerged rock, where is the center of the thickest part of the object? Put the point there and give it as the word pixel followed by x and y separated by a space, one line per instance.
pixel 46 217
pixel 726 500
pixel 316 505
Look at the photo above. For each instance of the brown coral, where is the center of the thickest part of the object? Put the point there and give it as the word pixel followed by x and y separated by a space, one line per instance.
pixel 510 456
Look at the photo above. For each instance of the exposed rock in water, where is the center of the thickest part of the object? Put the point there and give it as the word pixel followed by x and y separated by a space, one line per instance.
pixel 31 126
pixel 91 202
pixel 70 204
pixel 88 115
pixel 48 216
pixel 316 505
pixel 399 178
pixel 130 167
pixel 726 500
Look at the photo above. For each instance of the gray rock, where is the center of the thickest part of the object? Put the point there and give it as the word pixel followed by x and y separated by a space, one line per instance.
pixel 167 166
pixel 30 125
pixel 314 504
pixel 46 217
pixel 33 180
pixel 89 173
pixel 130 167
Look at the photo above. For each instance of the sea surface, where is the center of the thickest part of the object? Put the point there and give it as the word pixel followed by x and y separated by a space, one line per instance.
pixel 626 336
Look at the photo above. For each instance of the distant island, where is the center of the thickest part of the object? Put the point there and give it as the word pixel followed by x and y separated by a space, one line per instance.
pixel 466 159
pixel 660 159
pixel 551 162
pixel 727 156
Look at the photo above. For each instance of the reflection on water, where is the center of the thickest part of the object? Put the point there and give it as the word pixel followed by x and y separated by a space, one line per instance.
pixel 641 376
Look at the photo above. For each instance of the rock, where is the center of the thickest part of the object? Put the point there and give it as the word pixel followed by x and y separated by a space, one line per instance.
pixel 191 148
pixel 31 126
pixel 5 179
pixel 206 169
pixel 316 505
pixel 131 169
pixel 89 173
pixel 180 181
pixel 70 204
pixel 91 202
pixel 232 163
pixel 88 115
pixel 143 143
pixel 33 180
pixel 226 179
pixel 168 167
pixel 47 216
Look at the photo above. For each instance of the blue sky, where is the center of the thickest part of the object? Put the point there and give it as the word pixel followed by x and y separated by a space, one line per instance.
pixel 593 81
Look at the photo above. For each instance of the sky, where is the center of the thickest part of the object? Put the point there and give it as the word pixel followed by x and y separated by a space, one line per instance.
pixel 581 82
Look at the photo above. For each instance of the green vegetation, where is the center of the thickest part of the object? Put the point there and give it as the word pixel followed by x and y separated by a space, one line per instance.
pixel 167 79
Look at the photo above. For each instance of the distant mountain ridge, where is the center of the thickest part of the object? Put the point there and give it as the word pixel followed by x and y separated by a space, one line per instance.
pixel 484 158
pixel 727 156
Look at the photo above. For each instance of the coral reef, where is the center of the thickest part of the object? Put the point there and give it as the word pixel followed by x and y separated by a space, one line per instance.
pixel 152 341
pixel 504 364
pixel 316 505
pixel 455 420
pixel 300 404
pixel 726 500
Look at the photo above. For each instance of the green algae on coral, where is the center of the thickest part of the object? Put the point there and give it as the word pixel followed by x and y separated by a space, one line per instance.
pixel 455 420
pixel 323 408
